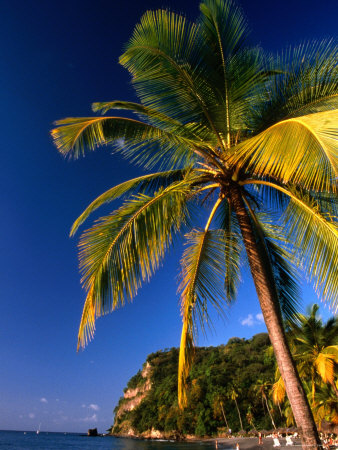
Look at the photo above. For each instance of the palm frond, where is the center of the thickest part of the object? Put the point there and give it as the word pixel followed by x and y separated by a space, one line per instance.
pixel 176 78
pixel 202 276
pixel 224 29
pixel 325 363
pixel 224 32
pixel 159 56
pixel 186 351
pixel 315 236
pixel 196 133
pixel 142 143
pixel 307 83
pixel 302 151
pixel 226 220
pixel 310 82
pixel 124 249
pixel 153 116
pixel 277 259
pixel 141 184
pixel 328 202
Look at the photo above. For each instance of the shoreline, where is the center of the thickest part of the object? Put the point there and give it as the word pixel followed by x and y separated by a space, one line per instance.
pixel 249 442
pixel 245 443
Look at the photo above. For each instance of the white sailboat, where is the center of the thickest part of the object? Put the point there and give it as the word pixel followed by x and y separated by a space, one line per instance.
pixel 38 430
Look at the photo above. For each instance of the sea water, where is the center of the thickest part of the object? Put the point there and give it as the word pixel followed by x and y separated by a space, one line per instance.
pixel 20 440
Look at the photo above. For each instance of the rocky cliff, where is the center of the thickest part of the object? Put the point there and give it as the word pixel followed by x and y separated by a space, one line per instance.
pixel 133 396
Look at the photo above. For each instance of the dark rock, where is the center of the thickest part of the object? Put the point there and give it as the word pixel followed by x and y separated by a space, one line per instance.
pixel 92 432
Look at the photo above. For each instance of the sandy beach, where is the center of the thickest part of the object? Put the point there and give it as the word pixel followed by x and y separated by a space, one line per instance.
pixel 251 443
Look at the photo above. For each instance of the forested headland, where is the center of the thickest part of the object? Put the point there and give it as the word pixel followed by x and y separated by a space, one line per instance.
pixel 235 386
pixel 224 389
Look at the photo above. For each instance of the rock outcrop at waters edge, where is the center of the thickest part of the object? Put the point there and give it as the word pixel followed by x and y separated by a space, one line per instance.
pixel 149 409
pixel 92 432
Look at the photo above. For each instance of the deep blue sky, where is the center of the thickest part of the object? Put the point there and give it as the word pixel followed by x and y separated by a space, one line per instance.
pixel 56 59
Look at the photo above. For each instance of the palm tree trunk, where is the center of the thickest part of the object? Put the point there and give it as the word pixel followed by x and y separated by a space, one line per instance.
pixel 334 387
pixel 273 320
pixel 239 414
pixel 224 416
pixel 267 407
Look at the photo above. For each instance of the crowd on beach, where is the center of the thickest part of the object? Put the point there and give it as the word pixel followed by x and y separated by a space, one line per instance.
pixel 276 439
pixel 329 440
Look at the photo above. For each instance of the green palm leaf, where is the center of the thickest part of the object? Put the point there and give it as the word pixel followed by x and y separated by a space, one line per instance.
pixel 224 29
pixel 307 84
pixel 202 276
pixel 141 184
pixel 160 54
pixel 153 116
pixel 278 262
pixel 301 151
pixel 123 250
pixel 138 141
pixel 315 236
pixel 226 220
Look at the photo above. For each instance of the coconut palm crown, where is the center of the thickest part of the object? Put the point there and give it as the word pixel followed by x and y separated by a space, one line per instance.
pixel 250 138
pixel 314 347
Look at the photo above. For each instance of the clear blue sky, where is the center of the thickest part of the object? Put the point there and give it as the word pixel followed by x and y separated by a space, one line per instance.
pixel 56 59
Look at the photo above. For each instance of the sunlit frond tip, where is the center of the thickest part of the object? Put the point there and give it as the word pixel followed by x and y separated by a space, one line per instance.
pixel 87 324
pixel 186 354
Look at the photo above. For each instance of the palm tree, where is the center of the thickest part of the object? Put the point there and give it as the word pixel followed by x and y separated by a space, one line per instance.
pixel 219 404
pixel 325 406
pixel 262 387
pixel 314 347
pixel 234 393
pixel 235 131
pixel 250 418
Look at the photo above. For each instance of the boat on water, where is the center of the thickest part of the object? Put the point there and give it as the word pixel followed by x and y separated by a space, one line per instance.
pixel 38 430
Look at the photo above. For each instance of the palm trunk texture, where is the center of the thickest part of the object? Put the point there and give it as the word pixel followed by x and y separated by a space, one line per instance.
pixel 273 320
pixel 224 416
pixel 239 414
pixel 271 418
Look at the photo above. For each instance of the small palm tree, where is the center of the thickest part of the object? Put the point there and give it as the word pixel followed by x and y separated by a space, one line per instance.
pixel 262 388
pixel 316 348
pixel 219 405
pixel 234 393
pixel 250 418
pixel 245 135
pixel 325 406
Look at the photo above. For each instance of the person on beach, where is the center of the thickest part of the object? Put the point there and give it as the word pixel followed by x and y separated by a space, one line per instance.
pixel 276 442
pixel 260 440
pixel 237 446
pixel 288 440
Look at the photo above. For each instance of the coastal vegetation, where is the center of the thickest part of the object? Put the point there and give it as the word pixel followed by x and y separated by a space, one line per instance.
pixel 249 137
pixel 314 347
pixel 219 375
pixel 231 386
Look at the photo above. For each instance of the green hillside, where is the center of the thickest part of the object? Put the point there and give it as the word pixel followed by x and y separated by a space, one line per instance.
pixel 220 377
